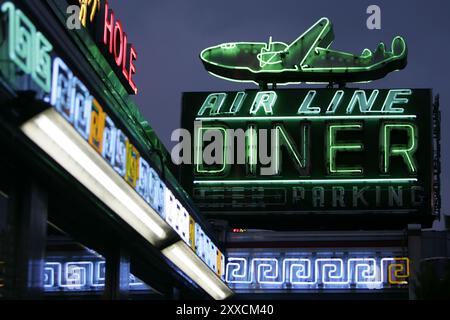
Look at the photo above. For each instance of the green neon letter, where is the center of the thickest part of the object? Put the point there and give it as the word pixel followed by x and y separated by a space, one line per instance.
pixel 305 107
pixel 251 149
pixel 333 147
pixel 334 104
pixel 360 98
pixel 266 100
pixel 405 151
pixel 393 99
pixel 283 139
pixel 214 153
pixel 237 103
pixel 213 102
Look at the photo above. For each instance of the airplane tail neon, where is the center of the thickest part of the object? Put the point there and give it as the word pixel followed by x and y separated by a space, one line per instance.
pixel 307 59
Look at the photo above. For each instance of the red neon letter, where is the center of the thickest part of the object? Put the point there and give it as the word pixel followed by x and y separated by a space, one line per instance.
pixel 133 57
pixel 125 52
pixel 118 29
pixel 109 25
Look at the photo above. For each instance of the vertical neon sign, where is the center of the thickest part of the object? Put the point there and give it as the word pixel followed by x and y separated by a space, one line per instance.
pixel 121 52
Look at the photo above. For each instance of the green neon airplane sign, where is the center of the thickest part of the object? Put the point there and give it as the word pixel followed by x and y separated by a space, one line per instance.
pixel 307 59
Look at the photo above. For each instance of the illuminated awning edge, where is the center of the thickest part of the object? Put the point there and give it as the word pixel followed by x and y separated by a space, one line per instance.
pixel 187 261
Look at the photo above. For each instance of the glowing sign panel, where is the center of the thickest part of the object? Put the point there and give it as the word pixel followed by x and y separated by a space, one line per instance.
pixel 80 275
pixel 27 47
pixel 299 270
pixel 75 103
pixel 28 50
pixel 305 150
pixel 107 30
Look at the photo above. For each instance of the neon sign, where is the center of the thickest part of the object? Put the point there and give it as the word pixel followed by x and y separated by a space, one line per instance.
pixel 300 270
pixel 73 101
pixel 307 59
pixel 97 17
pixel 310 150
pixel 81 275
pixel 117 41
pixel 29 50
pixel 88 8
pixel 27 47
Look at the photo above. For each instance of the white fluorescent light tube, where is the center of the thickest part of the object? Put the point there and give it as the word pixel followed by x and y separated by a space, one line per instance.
pixel 187 261
pixel 53 134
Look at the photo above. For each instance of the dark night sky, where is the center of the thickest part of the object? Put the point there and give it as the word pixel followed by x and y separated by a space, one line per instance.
pixel 169 35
